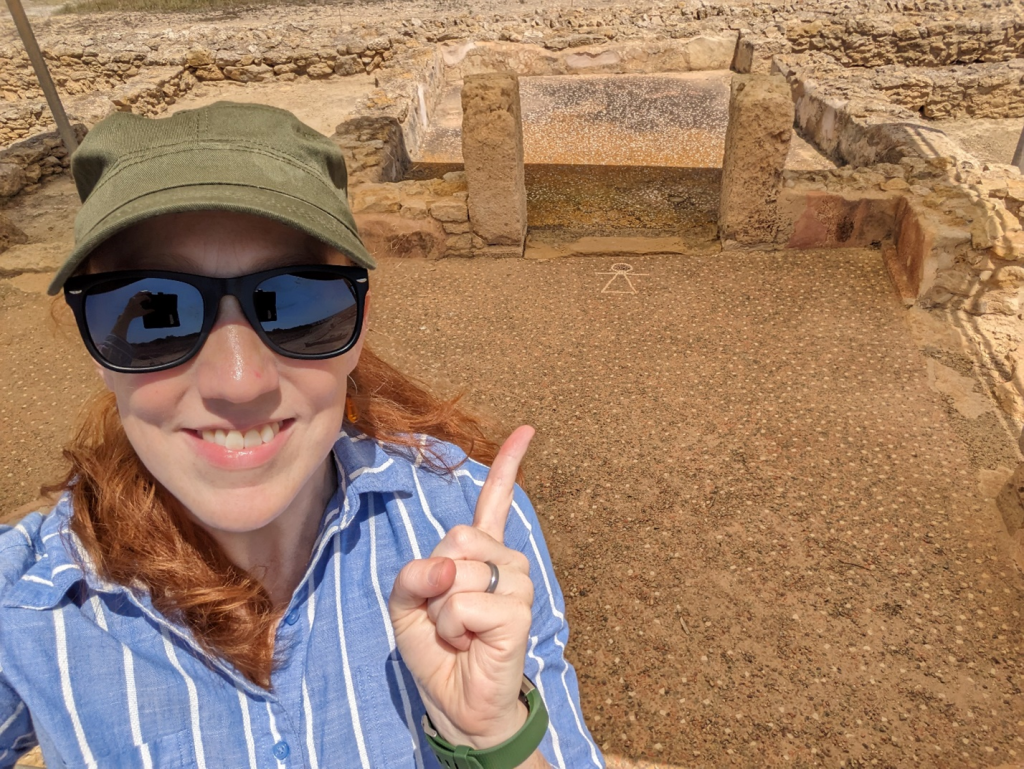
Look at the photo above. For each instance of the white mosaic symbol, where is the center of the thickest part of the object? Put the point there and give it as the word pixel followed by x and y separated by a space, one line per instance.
pixel 620 282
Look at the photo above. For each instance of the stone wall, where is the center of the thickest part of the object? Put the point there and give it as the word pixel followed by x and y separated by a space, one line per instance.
pixel 25 164
pixel 426 219
pixel 868 40
pixel 993 90
pixel 946 244
pixel 857 127
pixel 702 52
pixel 374 149
pixel 416 218
pixel 955 241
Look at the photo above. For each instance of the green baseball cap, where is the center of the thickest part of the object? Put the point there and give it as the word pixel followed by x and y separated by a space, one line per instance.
pixel 249 158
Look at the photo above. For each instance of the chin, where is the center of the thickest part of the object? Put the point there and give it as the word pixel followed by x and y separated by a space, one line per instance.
pixel 234 512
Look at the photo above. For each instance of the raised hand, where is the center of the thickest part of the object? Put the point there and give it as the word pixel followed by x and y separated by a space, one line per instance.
pixel 465 647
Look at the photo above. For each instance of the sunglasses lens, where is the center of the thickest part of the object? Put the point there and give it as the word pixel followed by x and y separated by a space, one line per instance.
pixel 144 323
pixel 307 313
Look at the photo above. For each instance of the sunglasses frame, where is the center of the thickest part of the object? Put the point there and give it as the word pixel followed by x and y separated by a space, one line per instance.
pixel 212 290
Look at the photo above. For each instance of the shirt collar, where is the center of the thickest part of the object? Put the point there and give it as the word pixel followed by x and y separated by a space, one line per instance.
pixel 363 466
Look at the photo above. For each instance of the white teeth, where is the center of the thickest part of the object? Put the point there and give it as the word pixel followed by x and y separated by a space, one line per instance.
pixel 235 440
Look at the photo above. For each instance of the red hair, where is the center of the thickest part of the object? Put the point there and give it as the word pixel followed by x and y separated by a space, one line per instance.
pixel 138 534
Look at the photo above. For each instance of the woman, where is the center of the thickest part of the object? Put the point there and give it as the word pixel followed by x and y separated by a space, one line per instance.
pixel 272 549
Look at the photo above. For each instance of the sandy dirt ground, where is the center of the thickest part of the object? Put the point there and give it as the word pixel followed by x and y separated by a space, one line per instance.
pixel 991 140
pixel 317 103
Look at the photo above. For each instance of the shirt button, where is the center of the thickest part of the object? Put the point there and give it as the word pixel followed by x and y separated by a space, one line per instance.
pixel 281 750
pixel 292 617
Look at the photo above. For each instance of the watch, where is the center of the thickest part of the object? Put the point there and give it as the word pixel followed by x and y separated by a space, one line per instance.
pixel 510 753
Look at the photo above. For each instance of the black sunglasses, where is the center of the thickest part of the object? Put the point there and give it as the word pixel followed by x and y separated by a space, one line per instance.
pixel 148 320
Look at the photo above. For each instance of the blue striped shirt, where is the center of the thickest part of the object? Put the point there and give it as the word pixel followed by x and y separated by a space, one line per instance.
pixel 95 675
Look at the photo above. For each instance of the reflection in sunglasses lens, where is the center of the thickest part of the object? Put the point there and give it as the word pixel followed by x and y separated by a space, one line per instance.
pixel 307 313
pixel 144 323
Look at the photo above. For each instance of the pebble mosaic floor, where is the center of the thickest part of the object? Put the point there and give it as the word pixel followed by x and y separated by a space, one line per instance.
pixel 766 522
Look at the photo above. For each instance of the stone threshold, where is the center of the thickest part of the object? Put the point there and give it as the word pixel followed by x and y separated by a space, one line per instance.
pixel 542 248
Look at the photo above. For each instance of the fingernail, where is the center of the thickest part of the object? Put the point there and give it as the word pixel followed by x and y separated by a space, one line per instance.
pixel 434 577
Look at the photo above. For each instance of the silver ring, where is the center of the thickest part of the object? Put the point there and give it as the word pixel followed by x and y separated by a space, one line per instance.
pixel 493 584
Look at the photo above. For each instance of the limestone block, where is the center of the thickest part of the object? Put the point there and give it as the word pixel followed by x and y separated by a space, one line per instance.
pixel 198 58
pixel 449 211
pixel 754 53
pixel 894 184
pixel 348 65
pixel 414 209
pixel 12 179
pixel 319 70
pixel 461 242
pixel 375 199
pixel 251 73
pixel 756 144
pixel 1010 276
pixel 209 74
pixel 704 53
pixel 994 303
pixel 492 149
pixel 10 234
pixel 391 235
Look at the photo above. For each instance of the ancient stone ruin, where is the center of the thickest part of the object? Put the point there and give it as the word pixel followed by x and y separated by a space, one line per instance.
pixel 461 141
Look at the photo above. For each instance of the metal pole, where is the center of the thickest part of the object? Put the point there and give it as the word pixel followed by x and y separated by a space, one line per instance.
pixel 43 75
pixel 1018 155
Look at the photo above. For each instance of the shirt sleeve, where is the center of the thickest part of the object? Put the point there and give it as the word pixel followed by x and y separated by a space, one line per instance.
pixel 568 743
pixel 17 735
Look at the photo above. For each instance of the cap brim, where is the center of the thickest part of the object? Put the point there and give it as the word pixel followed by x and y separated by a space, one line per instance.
pixel 259 201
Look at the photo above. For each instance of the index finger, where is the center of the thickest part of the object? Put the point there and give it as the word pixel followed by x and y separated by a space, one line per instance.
pixel 496 495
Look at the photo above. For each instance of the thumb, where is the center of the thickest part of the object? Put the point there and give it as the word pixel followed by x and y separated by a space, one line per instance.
pixel 417 581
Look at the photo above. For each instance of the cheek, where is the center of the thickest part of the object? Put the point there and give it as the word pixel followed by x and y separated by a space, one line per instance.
pixel 321 385
pixel 147 398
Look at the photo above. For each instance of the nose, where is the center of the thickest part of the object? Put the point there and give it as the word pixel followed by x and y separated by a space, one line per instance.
pixel 234 365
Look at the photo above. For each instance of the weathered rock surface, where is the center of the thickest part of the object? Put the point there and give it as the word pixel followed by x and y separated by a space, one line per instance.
pixel 10 234
pixel 756 144
pixel 492 150
pixel 374 149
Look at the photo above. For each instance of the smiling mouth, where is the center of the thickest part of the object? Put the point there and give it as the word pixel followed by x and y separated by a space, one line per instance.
pixel 236 440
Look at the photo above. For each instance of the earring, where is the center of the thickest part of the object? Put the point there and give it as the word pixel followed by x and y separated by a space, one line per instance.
pixel 350 409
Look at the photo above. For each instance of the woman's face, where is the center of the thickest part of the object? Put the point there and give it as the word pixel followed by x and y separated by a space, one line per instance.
pixel 234 384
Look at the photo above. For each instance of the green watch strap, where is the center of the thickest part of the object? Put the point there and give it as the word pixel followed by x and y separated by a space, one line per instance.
pixel 511 753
